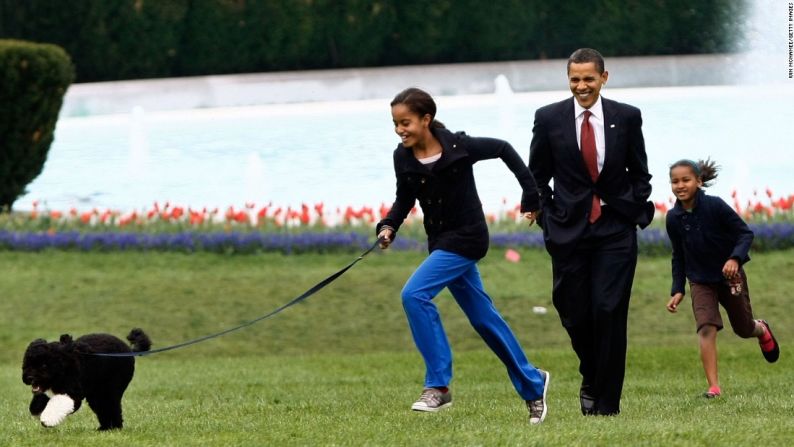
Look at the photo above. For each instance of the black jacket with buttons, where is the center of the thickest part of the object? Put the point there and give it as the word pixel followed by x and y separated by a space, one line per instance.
pixel 453 215
pixel 704 238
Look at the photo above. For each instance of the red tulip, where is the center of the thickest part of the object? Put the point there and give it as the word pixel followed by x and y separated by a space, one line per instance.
pixel 384 210
pixel 262 214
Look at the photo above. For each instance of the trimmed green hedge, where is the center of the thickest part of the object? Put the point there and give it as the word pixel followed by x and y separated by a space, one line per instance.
pixel 33 80
pixel 128 39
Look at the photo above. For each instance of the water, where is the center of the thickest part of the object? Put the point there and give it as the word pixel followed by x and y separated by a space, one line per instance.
pixel 340 153
pixel 763 54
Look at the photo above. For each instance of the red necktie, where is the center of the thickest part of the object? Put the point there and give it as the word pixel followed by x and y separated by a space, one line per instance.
pixel 591 161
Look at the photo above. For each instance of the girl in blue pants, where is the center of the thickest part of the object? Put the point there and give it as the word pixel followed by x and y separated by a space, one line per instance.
pixel 434 166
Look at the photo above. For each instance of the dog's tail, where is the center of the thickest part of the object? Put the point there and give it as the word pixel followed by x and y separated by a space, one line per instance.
pixel 139 341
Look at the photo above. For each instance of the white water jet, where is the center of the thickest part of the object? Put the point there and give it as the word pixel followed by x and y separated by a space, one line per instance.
pixel 502 86
pixel 763 54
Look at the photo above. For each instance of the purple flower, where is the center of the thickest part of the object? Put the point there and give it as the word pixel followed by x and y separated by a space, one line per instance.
pixel 768 236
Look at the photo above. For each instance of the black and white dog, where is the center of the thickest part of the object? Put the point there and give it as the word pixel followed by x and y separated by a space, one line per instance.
pixel 62 373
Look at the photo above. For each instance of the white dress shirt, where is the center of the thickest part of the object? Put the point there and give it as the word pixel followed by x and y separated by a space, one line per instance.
pixel 597 122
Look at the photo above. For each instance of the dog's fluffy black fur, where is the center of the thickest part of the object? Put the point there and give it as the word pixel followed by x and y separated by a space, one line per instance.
pixel 66 367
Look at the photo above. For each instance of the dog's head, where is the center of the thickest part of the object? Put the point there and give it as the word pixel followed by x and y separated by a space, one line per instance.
pixel 52 365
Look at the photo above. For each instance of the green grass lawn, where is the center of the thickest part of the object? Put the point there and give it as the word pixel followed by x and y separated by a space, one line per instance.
pixel 341 369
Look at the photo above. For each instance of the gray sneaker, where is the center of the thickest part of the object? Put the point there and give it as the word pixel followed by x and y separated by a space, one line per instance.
pixel 432 400
pixel 538 408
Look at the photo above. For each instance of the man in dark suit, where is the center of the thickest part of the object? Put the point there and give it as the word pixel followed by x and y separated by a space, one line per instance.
pixel 593 150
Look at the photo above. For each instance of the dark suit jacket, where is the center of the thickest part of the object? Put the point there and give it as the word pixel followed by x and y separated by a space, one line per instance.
pixel 623 184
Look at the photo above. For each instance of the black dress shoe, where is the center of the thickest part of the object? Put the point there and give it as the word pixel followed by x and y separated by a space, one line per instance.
pixel 588 403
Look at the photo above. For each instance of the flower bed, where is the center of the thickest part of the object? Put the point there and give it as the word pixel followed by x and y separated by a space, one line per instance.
pixel 252 229
pixel 191 241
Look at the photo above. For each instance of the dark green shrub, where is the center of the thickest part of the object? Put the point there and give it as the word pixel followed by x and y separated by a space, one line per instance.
pixel 228 36
pixel 33 80
pixel 118 39
pixel 131 39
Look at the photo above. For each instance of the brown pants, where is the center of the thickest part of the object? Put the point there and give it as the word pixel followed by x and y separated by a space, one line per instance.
pixel 734 297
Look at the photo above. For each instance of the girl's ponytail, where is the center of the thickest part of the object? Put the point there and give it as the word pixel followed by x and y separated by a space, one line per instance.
pixel 708 171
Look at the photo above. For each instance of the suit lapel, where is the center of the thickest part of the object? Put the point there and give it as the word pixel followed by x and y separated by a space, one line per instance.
pixel 610 130
pixel 569 134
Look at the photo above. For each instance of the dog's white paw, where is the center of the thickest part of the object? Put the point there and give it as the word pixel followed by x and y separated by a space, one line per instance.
pixel 59 406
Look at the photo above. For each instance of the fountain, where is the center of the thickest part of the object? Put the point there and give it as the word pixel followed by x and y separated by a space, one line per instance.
pixel 339 153
pixel 502 86
pixel 763 54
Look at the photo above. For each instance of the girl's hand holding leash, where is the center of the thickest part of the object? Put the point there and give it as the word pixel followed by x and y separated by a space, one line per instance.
pixel 675 300
pixel 386 236
pixel 532 216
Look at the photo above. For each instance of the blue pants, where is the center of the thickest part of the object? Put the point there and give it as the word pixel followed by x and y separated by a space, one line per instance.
pixel 459 274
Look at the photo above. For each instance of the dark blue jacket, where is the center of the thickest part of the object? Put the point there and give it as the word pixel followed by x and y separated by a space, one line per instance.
pixel 453 215
pixel 704 239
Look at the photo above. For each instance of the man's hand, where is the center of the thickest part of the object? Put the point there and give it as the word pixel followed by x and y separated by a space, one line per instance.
pixel 532 216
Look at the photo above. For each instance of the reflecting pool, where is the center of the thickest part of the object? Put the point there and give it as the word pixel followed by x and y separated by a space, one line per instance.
pixel 340 153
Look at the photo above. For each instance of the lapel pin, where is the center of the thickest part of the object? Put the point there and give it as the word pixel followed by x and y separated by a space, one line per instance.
pixel 611 126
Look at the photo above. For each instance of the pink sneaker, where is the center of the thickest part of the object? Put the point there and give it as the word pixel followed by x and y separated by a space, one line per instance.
pixel 713 392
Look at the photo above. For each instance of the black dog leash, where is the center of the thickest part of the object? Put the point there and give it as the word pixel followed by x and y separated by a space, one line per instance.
pixel 294 301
